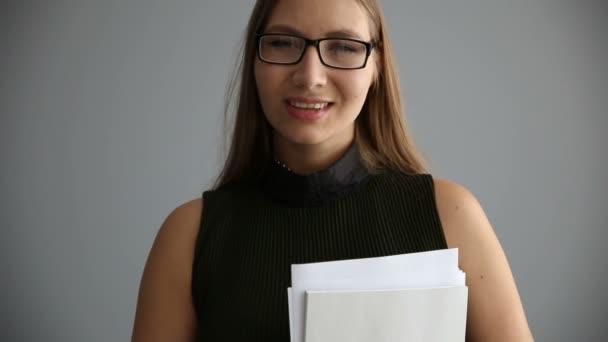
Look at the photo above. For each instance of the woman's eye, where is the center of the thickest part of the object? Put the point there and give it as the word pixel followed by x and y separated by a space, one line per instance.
pixel 347 48
pixel 280 43
pixel 344 48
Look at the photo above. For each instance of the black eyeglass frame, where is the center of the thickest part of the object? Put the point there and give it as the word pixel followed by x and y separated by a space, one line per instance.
pixel 369 46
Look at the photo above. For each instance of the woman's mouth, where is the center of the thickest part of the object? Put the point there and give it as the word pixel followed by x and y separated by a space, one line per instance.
pixel 308 110
pixel 303 105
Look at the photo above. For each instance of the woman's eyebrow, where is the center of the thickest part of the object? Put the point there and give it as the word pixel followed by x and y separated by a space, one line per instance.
pixel 344 33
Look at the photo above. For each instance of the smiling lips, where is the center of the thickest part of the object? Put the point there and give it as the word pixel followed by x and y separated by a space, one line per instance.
pixel 308 108
pixel 309 105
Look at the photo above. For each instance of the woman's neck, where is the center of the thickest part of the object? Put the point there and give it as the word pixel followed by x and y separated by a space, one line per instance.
pixel 306 159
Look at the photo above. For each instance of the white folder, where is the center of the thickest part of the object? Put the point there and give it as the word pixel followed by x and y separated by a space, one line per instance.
pixel 413 315
pixel 434 269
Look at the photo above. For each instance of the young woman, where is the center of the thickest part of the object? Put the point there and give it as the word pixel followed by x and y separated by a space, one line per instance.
pixel 321 167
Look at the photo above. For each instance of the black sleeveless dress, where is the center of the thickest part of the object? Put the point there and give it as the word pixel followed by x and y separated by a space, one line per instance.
pixel 251 233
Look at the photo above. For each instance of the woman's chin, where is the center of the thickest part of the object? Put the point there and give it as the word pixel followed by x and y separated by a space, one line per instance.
pixel 303 138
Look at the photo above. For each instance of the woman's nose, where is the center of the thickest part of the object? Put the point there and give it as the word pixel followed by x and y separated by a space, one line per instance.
pixel 310 72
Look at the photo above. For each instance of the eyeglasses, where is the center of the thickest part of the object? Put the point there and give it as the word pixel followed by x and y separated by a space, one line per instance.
pixel 339 53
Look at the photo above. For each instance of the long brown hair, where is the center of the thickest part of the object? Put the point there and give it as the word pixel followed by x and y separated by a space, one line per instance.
pixel 381 131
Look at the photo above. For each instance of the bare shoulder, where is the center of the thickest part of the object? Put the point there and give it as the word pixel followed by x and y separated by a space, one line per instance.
pixel 165 311
pixel 452 197
pixel 176 237
pixel 460 212
pixel 495 311
pixel 186 216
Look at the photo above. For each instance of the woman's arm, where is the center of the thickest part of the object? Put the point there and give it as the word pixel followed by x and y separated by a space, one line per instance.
pixel 495 311
pixel 165 311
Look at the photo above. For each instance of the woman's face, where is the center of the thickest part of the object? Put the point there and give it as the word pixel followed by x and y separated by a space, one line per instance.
pixel 280 87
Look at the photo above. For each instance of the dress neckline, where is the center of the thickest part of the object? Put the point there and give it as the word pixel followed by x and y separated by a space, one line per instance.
pixel 294 190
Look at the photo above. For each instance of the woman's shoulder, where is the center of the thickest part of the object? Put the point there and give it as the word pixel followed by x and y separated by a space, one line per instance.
pixel 181 225
pixel 493 293
pixel 166 277
pixel 185 215
pixel 454 202
pixel 460 212
pixel 179 229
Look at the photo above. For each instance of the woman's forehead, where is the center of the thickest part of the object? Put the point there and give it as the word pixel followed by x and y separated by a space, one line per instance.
pixel 320 18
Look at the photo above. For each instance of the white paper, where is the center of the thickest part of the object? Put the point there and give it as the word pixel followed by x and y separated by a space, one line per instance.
pixel 429 315
pixel 416 270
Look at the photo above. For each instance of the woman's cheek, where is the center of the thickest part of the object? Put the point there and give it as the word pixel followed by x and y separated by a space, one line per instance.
pixel 357 87
pixel 265 89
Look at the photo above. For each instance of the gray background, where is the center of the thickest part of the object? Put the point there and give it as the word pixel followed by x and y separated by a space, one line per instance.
pixel 110 118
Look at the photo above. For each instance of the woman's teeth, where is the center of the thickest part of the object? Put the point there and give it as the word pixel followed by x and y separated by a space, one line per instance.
pixel 309 105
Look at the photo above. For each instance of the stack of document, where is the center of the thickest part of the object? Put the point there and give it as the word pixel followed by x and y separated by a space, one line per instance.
pixel 408 297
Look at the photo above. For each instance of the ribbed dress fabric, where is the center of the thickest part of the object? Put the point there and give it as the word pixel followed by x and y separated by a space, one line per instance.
pixel 248 241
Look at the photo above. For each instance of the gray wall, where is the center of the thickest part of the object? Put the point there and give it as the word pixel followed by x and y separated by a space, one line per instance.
pixel 110 114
